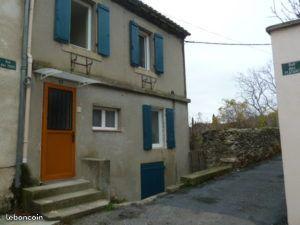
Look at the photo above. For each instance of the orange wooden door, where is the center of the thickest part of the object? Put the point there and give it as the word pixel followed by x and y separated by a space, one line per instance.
pixel 58 135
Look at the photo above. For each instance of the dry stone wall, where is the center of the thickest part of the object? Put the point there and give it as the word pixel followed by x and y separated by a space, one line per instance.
pixel 240 147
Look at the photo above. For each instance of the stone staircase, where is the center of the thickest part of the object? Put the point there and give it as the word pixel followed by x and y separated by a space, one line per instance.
pixel 64 200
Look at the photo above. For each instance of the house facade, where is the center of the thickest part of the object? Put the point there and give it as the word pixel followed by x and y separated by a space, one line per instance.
pixel 11 26
pixel 108 97
pixel 286 56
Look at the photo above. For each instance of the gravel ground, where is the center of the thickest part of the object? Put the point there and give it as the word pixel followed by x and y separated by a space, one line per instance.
pixel 254 196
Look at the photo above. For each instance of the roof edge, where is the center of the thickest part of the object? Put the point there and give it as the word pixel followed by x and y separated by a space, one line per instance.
pixel 148 13
pixel 280 26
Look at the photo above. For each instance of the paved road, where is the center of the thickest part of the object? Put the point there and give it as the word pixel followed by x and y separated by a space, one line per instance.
pixel 254 196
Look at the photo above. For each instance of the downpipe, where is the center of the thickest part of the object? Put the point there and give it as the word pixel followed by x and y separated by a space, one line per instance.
pixel 28 84
pixel 22 85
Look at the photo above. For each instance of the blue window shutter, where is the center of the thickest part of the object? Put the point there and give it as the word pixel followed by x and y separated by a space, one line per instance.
pixel 134 44
pixel 170 117
pixel 103 30
pixel 147 127
pixel 62 24
pixel 159 53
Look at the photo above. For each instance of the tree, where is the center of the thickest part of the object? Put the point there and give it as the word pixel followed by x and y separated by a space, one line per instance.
pixel 199 118
pixel 215 124
pixel 286 10
pixel 233 112
pixel 258 89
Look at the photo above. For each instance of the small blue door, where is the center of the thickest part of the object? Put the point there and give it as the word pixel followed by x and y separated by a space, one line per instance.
pixel 152 179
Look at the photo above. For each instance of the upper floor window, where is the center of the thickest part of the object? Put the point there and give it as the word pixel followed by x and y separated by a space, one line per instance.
pixel 75 20
pixel 144 46
pixel 140 49
pixel 81 24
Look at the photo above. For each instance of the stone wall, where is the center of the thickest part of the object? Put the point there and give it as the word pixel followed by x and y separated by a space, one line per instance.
pixel 238 146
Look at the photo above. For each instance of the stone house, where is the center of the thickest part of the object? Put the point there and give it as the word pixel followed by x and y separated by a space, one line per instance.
pixel 106 102
pixel 286 57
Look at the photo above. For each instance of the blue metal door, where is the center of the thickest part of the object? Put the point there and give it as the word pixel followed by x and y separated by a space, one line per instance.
pixel 152 179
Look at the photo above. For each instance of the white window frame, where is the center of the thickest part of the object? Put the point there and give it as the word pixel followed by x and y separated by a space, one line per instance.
pixel 89 24
pixel 161 129
pixel 147 49
pixel 103 118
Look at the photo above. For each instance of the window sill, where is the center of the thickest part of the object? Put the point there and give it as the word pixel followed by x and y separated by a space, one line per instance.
pixel 81 52
pixel 161 149
pixel 143 71
pixel 106 130
pixel 158 147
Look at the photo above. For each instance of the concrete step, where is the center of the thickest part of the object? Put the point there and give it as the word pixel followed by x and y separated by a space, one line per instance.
pixel 66 200
pixel 76 211
pixel 173 188
pixel 205 175
pixel 56 188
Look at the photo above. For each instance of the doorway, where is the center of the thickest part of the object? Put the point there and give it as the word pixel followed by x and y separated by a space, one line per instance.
pixel 58 133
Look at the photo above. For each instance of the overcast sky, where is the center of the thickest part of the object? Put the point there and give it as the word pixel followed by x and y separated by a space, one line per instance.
pixel 211 70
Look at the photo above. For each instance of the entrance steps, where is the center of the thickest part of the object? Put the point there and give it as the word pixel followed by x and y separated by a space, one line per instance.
pixel 205 175
pixel 64 200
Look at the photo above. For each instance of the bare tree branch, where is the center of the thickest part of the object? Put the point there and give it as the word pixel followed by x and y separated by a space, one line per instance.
pixel 258 89
pixel 289 10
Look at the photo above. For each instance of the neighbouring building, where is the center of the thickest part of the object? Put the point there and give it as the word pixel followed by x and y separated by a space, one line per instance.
pixel 286 56
pixel 11 26
pixel 108 98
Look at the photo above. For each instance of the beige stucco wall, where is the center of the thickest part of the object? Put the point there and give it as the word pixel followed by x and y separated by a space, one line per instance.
pixel 117 65
pixel 11 14
pixel 124 149
pixel 286 49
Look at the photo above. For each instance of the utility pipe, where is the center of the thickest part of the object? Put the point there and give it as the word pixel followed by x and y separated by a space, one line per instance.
pixel 23 75
pixel 28 83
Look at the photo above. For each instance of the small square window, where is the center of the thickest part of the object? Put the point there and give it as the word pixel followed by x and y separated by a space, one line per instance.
pixel 105 119
pixel 81 19
pixel 157 129
pixel 144 46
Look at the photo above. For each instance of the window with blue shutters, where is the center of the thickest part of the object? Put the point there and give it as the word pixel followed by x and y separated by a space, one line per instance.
pixel 158 128
pixel 73 24
pixel 159 54
pixel 103 30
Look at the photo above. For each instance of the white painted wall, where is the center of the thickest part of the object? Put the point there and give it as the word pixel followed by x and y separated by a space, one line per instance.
pixel 286 48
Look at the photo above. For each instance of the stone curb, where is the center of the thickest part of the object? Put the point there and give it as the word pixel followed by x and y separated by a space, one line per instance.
pixel 141 202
